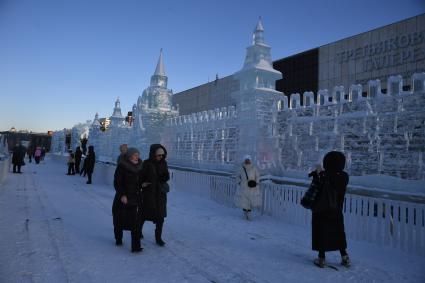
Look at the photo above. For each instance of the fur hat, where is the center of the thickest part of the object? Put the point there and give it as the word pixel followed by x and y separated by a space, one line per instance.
pixel 131 151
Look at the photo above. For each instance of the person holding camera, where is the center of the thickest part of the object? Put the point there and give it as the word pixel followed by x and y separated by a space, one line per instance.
pixel 248 195
pixel 325 197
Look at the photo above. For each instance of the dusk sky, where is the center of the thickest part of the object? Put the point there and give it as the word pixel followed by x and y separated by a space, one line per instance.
pixel 63 61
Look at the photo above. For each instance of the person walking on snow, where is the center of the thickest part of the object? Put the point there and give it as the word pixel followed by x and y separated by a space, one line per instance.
pixel 123 151
pixel 155 176
pixel 248 194
pixel 71 164
pixel 18 157
pixel 37 155
pixel 127 203
pixel 89 163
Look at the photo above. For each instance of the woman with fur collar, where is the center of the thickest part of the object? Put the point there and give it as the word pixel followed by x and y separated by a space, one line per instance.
pixel 248 195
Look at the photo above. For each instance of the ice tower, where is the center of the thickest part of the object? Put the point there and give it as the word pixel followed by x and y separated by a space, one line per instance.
pixel 152 109
pixel 256 102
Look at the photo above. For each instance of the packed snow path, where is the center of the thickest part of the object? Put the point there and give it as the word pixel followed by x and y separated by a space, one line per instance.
pixel 55 228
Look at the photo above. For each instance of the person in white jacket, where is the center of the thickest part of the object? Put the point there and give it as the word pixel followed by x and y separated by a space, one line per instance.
pixel 248 195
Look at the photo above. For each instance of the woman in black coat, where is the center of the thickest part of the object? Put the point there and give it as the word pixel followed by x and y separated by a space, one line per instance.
pixel 127 202
pixel 328 233
pixel 154 189
pixel 18 157
pixel 89 163
pixel 78 156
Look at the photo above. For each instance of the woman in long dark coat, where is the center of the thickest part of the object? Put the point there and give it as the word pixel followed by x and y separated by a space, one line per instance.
pixel 154 195
pixel 127 202
pixel 78 156
pixel 89 163
pixel 18 157
pixel 328 233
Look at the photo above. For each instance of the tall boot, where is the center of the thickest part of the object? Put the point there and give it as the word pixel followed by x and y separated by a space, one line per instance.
pixel 135 242
pixel 158 234
pixel 118 236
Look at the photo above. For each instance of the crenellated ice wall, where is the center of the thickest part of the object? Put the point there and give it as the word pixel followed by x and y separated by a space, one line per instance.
pixel 379 134
pixel 207 139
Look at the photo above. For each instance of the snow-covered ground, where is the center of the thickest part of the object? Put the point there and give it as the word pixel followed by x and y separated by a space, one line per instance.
pixel 55 228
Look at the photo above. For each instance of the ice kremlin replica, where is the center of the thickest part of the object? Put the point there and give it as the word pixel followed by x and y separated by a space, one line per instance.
pixel 381 134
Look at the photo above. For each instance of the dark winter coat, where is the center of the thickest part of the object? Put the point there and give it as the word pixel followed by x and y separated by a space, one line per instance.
pixel 127 182
pixel 78 155
pixel 90 160
pixel 154 201
pixel 328 232
pixel 18 155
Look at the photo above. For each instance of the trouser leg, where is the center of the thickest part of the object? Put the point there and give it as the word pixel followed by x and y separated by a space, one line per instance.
pixel 158 233
pixel 321 254
pixel 118 233
pixel 19 168
pixel 135 241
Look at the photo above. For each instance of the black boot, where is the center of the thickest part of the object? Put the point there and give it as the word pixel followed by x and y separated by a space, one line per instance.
pixel 135 242
pixel 118 236
pixel 158 234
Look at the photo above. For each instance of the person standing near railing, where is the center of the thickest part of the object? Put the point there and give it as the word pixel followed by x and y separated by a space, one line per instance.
pixel 325 198
pixel 248 194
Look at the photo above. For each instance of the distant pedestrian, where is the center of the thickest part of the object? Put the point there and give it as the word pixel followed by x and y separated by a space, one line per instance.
pixel 248 195
pixel 155 176
pixel 123 151
pixel 325 197
pixel 18 157
pixel 37 155
pixel 78 155
pixel 127 201
pixel 43 153
pixel 83 168
pixel 71 164
pixel 89 163
pixel 30 153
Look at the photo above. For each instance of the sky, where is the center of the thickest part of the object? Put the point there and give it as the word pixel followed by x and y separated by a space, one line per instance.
pixel 63 61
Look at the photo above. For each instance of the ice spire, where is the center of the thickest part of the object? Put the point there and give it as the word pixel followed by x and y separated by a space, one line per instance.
pixel 117 109
pixel 257 37
pixel 160 71
pixel 159 79
pixel 96 121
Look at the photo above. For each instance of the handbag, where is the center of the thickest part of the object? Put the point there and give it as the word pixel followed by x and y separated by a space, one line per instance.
pixel 251 183
pixel 165 188
pixel 326 198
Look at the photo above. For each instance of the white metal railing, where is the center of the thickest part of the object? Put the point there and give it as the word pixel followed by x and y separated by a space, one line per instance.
pixel 390 223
